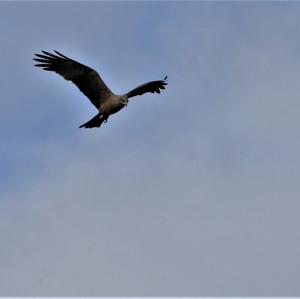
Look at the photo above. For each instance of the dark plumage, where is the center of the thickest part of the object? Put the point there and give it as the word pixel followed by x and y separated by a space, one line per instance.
pixel 91 85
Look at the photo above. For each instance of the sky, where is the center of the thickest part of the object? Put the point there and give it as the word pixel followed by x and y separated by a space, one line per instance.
pixel 193 192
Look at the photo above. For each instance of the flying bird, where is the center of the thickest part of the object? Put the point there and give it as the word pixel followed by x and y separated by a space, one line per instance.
pixel 91 85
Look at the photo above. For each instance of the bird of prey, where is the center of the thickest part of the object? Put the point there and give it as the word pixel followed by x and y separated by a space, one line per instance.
pixel 91 85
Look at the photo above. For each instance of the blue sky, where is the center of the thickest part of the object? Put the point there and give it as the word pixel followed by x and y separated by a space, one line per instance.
pixel 190 193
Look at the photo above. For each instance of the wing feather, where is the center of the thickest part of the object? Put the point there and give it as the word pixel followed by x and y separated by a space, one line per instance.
pixel 85 78
pixel 153 87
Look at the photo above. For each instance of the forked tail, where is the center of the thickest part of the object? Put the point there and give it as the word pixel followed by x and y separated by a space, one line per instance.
pixel 96 121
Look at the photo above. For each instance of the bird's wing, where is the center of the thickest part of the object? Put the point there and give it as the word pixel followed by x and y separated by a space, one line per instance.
pixel 153 86
pixel 84 77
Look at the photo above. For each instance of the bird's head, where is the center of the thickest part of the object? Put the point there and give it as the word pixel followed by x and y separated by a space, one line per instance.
pixel 124 100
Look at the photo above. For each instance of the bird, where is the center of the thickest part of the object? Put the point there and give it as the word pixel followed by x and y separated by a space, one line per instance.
pixel 92 86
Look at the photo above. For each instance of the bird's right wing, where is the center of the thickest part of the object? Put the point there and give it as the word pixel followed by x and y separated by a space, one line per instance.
pixel 153 86
pixel 84 77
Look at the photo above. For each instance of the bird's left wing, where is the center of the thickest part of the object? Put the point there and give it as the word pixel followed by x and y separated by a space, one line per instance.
pixel 153 86
pixel 84 77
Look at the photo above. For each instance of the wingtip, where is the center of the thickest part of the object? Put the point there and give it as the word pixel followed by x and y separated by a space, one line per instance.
pixel 165 81
pixel 61 55
pixel 35 56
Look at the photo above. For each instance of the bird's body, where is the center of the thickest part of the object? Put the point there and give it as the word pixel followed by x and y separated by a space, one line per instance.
pixel 91 84
pixel 112 104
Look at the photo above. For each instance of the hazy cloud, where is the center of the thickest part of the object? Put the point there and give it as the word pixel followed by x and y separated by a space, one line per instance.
pixel 190 193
